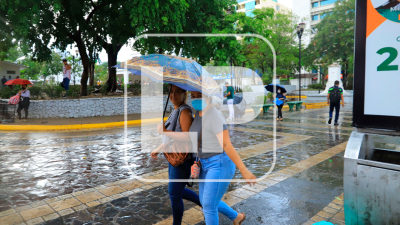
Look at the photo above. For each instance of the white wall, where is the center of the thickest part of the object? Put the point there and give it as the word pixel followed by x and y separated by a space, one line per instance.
pixel 3 70
pixel 304 81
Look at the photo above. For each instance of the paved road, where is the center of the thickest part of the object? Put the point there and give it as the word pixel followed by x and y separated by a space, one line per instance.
pixel 83 177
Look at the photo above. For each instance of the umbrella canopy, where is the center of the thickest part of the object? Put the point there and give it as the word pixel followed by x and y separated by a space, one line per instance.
pixel 182 72
pixel 270 88
pixel 17 82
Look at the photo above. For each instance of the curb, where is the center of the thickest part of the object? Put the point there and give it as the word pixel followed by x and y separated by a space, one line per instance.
pixel 77 126
pixel 112 124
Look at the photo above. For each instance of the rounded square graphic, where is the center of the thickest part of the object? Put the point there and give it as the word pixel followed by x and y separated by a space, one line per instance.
pixel 149 136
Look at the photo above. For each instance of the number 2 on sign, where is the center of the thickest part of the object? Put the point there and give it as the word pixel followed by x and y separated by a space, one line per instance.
pixel 385 65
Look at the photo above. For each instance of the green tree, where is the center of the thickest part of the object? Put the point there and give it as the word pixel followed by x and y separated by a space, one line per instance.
pixel 76 67
pixel 52 67
pixel 33 72
pixel 6 38
pixel 101 72
pixel 202 16
pixel 334 40
pixel 279 29
pixel 96 25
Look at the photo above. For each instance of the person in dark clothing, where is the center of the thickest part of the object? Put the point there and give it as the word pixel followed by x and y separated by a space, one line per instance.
pixel 24 101
pixel 335 94
pixel 281 96
pixel 3 81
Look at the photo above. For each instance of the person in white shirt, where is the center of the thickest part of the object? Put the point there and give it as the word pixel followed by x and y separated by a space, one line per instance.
pixel 66 75
pixel 24 101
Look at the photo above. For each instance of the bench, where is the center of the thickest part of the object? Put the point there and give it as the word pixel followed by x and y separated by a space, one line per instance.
pixel 256 108
pixel 297 104
pixel 266 107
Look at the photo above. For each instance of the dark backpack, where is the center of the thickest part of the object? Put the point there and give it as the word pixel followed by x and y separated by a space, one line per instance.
pixel 335 95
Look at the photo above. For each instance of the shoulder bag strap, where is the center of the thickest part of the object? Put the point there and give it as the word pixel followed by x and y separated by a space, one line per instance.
pixel 198 144
pixel 177 118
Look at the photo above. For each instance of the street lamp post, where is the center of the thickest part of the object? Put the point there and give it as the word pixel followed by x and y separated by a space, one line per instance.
pixel 76 53
pixel 300 29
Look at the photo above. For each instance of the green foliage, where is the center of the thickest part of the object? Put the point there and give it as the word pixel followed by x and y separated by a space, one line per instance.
pixel 7 93
pixel 334 40
pixel 36 91
pixel 101 72
pixel 267 79
pixel 270 95
pixel 279 29
pixel 104 89
pixel 135 89
pixel 53 66
pixel 315 86
pixel 90 89
pixel 53 91
pixel 165 88
pixel 33 71
pixel 247 88
pixel 260 99
pixel 74 91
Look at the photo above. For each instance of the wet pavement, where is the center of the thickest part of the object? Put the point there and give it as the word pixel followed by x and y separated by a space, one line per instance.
pixel 36 167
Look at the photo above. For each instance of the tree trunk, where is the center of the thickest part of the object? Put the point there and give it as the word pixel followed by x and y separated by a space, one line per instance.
pixel 91 74
pixel 85 64
pixel 345 75
pixel 112 61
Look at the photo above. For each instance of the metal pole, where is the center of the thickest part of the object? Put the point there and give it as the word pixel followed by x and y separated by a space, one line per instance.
pixel 73 63
pixel 299 66
pixel 231 71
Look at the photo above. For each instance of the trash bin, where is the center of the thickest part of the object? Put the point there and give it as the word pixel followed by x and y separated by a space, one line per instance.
pixel 371 182
pixel 7 113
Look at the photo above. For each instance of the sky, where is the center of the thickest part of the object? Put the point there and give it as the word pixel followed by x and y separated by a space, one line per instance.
pixel 127 53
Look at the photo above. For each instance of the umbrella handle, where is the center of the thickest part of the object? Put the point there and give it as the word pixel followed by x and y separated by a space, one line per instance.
pixel 165 108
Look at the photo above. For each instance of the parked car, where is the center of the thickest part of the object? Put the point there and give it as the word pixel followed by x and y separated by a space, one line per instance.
pixel 304 87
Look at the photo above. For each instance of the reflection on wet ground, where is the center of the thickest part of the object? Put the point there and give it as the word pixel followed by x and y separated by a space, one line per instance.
pixel 48 167
pixel 43 165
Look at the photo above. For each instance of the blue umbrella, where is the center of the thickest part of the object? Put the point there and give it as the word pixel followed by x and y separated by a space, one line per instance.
pixel 270 88
pixel 182 72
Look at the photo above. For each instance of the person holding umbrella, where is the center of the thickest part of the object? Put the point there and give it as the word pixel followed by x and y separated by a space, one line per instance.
pixel 24 101
pixel 179 121
pixel 24 95
pixel 280 97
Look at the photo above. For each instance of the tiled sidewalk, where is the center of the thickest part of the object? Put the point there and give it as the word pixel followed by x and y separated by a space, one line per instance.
pixel 334 213
pixel 194 215
pixel 52 208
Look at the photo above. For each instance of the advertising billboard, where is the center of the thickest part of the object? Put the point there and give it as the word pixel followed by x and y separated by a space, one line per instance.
pixel 376 65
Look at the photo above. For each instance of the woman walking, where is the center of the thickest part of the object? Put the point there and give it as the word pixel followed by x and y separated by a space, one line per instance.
pixel 179 121
pixel 281 96
pixel 24 101
pixel 217 158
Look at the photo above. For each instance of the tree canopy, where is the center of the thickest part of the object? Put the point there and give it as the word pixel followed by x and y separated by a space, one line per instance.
pixel 334 41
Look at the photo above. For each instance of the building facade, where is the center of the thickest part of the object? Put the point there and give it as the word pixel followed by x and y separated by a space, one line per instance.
pixel 311 12
pixel 248 6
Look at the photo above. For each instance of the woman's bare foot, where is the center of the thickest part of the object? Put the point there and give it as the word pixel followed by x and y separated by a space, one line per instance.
pixel 277 119
pixel 281 119
pixel 239 219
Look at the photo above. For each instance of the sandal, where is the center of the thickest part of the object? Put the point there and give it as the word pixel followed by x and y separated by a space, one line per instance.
pixel 244 217
pixel 277 119
pixel 281 119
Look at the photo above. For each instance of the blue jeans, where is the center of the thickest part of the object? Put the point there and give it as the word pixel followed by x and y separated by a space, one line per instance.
pixel 177 190
pixel 335 105
pixel 211 193
pixel 66 83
